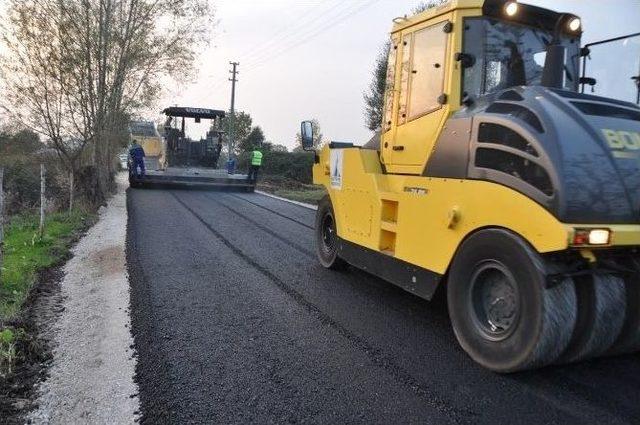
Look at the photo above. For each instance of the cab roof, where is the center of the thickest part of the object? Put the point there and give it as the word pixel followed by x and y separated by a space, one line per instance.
pixel 529 15
pixel 179 111
pixel 401 23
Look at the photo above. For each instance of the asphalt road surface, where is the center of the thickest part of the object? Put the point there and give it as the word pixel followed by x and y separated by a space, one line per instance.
pixel 236 322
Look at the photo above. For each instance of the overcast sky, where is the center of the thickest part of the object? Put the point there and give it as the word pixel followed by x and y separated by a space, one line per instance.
pixel 304 59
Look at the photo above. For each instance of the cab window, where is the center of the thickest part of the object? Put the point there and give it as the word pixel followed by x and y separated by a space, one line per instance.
pixel 407 44
pixel 507 54
pixel 422 77
pixel 427 70
pixel 389 96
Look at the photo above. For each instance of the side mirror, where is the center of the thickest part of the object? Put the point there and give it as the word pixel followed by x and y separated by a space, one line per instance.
pixel 588 81
pixel 306 135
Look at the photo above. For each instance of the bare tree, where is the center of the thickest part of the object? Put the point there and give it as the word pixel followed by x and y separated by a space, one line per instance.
pixel 76 69
pixel 36 79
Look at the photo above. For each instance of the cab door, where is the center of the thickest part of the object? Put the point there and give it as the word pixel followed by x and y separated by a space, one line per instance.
pixel 389 123
pixel 422 102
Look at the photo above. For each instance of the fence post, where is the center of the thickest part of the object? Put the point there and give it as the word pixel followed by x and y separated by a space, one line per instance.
pixel 1 221
pixel 42 198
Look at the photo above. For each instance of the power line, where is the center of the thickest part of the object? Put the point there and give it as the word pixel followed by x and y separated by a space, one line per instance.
pixel 299 30
pixel 300 24
pixel 335 15
pixel 293 40
pixel 303 40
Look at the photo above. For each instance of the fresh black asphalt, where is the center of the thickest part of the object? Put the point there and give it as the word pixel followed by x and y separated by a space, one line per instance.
pixel 236 322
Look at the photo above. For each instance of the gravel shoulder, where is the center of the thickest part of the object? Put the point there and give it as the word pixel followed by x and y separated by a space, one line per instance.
pixel 91 374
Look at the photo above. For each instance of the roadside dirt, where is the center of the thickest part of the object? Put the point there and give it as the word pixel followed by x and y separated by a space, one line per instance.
pixel 77 362
pixel 90 379
pixel 42 308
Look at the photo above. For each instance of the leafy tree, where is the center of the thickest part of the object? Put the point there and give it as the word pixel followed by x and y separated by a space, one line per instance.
pixel 242 126
pixel 374 97
pixel 22 143
pixel 279 148
pixel 428 4
pixel 254 140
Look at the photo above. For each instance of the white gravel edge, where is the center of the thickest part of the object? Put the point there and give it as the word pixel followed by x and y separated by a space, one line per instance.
pixel 301 204
pixel 91 376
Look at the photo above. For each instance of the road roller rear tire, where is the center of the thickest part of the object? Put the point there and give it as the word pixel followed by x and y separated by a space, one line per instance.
pixel 327 236
pixel 502 312
pixel 601 314
pixel 629 339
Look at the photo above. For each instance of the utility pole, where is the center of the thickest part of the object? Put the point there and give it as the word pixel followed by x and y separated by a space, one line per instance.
pixel 232 118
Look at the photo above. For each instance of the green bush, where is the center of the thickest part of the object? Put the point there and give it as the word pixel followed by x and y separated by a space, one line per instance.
pixel 21 155
pixel 6 337
pixel 291 165
pixel 7 352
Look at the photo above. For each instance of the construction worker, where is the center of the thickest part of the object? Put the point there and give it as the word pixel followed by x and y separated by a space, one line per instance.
pixel 231 165
pixel 255 163
pixel 137 157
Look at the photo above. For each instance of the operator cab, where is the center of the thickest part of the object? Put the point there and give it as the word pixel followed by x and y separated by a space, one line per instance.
pixel 183 151
pixel 449 56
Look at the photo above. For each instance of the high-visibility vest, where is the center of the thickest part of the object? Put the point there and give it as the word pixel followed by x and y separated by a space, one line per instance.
pixel 256 158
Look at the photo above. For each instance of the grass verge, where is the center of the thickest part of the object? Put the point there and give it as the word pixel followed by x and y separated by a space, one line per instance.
pixel 25 255
pixel 291 189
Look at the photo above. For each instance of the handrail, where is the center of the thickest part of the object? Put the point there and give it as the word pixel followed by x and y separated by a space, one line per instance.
pixel 610 40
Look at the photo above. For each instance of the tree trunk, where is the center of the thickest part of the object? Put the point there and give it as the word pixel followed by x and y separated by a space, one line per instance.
pixel 71 188
pixel 100 169
pixel 1 221
pixel 42 198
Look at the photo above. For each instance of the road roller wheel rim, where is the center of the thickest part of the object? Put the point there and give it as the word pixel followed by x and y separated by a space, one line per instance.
pixel 328 234
pixel 495 300
pixel 541 318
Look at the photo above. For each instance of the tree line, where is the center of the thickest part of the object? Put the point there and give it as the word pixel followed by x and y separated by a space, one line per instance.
pixel 249 136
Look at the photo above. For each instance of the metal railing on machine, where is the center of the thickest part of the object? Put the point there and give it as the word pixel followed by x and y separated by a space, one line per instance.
pixel 607 76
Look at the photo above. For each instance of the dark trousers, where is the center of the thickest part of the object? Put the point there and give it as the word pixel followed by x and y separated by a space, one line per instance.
pixel 138 163
pixel 253 172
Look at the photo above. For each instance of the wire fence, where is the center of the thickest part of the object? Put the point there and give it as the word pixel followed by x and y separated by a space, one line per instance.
pixel 43 201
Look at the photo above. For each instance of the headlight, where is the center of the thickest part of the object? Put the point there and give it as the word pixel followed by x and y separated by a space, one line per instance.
pixel 591 237
pixel 574 24
pixel 511 8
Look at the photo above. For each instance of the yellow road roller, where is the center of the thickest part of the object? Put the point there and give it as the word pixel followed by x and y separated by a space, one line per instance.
pixel 496 178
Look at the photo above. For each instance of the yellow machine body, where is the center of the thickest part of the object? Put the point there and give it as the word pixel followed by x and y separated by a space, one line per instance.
pixel 155 147
pixel 423 220
pixel 382 201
